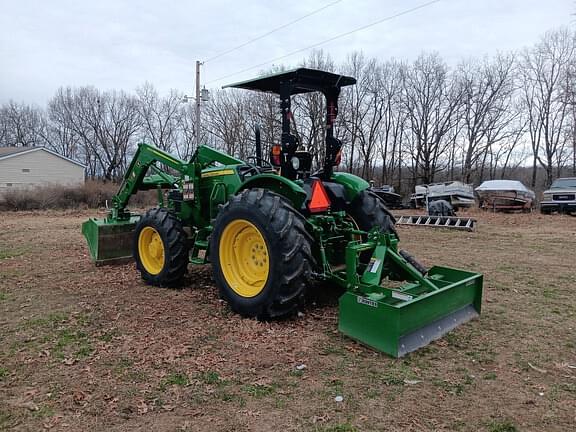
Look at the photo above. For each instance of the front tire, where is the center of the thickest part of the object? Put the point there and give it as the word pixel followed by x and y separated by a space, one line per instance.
pixel 160 248
pixel 261 255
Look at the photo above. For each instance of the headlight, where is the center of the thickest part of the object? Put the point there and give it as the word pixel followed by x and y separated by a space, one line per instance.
pixel 295 163
pixel 547 197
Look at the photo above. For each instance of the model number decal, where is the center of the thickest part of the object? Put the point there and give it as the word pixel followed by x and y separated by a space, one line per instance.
pixel 367 302
pixel 217 173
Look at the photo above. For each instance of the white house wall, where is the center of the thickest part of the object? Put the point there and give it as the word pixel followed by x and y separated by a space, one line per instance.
pixel 38 168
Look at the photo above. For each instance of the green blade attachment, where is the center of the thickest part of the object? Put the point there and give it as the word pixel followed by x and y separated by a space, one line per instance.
pixel 400 320
pixel 110 242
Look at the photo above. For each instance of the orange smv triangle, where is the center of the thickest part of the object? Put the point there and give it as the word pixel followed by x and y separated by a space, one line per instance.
pixel 319 201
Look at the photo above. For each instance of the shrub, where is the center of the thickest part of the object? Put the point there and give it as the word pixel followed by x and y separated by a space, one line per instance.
pixel 91 194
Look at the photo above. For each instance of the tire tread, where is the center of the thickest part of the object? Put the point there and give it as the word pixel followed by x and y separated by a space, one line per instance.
pixel 294 250
pixel 175 243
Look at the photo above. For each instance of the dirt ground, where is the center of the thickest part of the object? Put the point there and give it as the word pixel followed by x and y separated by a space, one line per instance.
pixel 93 348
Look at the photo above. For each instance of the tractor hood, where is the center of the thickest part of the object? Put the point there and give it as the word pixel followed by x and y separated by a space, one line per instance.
pixel 560 191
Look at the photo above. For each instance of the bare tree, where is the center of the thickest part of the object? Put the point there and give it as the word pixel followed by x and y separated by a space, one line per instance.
pixel 421 120
pixel 265 112
pixel 372 116
pixel 572 130
pixel 389 85
pixel 159 116
pixel 310 111
pixel 186 137
pixel 487 96
pixel 3 128
pixel 21 125
pixel 105 123
pixel 62 135
pixel 351 105
pixel 227 122
pixel 431 100
pixel 545 70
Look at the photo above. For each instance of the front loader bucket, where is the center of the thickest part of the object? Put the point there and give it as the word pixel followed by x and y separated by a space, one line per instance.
pixel 400 320
pixel 110 242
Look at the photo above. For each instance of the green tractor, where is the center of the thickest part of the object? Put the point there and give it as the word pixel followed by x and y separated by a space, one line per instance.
pixel 270 228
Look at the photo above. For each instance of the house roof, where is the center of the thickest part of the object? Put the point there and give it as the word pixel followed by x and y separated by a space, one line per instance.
pixel 8 152
pixel 12 150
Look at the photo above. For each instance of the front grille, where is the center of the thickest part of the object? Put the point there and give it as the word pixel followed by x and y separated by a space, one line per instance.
pixel 563 197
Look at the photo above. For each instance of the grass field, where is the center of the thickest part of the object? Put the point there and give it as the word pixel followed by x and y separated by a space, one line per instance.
pixel 87 348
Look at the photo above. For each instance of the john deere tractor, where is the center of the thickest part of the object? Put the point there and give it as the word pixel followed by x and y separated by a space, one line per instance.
pixel 270 228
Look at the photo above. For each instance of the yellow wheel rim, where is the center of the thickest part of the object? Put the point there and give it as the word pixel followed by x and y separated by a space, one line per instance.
pixel 151 250
pixel 244 258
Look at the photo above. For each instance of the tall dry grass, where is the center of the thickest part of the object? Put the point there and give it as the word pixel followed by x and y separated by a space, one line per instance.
pixel 91 194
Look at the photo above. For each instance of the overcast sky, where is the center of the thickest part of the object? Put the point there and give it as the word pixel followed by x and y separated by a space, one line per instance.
pixel 121 44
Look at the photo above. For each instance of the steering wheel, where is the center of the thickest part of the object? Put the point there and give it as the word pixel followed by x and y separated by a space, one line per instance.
pixel 251 169
pixel 261 160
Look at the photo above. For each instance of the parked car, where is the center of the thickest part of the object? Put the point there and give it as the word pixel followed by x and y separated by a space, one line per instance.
pixel 561 197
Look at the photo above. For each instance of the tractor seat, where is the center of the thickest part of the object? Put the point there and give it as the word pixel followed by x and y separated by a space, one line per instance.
pixel 305 163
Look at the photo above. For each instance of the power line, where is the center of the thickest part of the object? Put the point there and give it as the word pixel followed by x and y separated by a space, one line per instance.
pixel 314 12
pixel 341 35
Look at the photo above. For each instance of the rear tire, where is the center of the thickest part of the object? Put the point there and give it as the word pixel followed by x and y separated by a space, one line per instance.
pixel 258 227
pixel 369 211
pixel 160 248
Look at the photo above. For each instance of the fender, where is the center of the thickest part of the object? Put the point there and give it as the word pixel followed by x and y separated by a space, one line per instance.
pixel 353 185
pixel 277 184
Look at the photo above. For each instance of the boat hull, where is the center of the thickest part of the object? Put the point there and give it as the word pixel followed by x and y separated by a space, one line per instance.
pixel 505 200
pixel 458 194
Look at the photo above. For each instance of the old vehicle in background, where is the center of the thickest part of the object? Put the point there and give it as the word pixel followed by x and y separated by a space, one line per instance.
pixel 561 197
pixel 388 194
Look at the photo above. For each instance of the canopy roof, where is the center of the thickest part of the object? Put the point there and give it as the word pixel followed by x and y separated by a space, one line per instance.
pixel 303 80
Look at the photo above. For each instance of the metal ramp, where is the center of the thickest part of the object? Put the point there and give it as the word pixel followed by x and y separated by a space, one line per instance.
pixel 449 222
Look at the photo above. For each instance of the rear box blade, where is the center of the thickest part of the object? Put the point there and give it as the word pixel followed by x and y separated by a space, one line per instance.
pixel 110 242
pixel 399 326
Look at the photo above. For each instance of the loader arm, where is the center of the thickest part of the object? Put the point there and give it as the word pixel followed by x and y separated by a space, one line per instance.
pixel 110 240
pixel 133 180
pixel 145 158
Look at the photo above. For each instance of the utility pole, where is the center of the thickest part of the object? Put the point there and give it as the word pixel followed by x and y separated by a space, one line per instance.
pixel 202 95
pixel 198 63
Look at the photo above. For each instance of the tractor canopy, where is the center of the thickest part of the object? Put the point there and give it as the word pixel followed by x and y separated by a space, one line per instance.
pixel 285 155
pixel 301 80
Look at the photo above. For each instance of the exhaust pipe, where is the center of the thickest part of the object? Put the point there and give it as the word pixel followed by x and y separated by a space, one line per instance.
pixel 258 146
